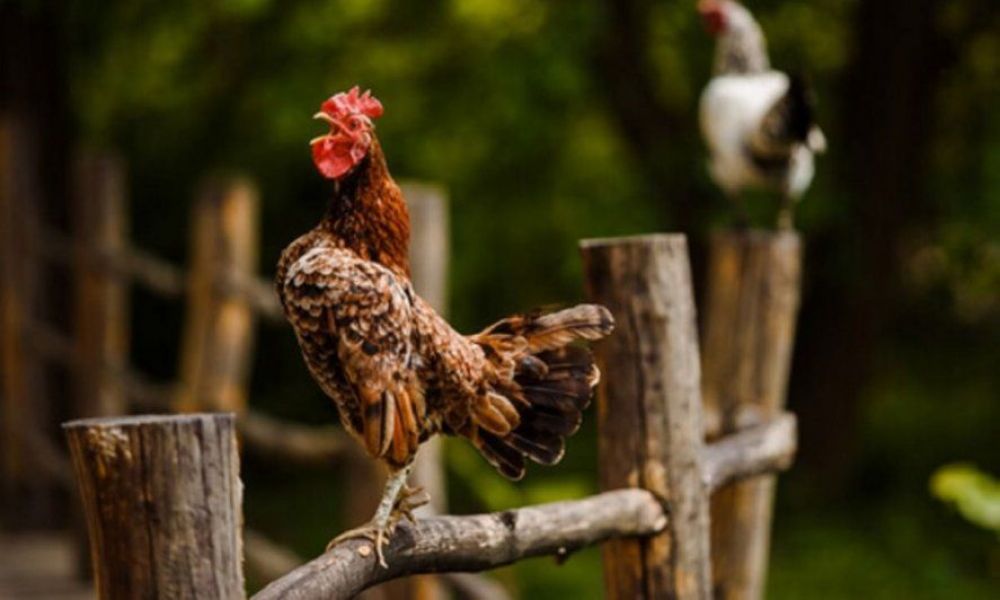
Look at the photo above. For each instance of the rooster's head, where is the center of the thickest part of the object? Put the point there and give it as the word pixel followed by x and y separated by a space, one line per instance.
pixel 715 15
pixel 349 115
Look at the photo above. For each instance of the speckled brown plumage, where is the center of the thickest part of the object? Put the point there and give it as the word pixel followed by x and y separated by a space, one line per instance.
pixel 397 371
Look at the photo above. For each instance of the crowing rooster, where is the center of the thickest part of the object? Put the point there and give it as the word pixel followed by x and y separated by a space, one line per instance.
pixel 759 123
pixel 397 372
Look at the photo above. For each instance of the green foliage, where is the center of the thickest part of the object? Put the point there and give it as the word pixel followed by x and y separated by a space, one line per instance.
pixel 884 554
pixel 976 495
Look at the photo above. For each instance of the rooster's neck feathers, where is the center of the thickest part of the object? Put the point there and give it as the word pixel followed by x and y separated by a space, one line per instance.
pixel 742 47
pixel 368 214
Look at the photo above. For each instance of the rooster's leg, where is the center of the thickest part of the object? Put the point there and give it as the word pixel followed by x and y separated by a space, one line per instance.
pixel 398 501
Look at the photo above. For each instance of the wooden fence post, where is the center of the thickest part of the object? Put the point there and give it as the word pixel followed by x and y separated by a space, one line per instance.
pixel 753 298
pixel 12 313
pixel 24 405
pixel 219 327
pixel 649 411
pixel 429 244
pixel 163 501
pixel 102 304
pixel 429 252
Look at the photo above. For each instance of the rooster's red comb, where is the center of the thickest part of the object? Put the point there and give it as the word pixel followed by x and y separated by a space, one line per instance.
pixel 353 102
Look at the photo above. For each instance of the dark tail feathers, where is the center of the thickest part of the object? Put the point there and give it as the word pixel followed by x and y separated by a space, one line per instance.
pixel 551 383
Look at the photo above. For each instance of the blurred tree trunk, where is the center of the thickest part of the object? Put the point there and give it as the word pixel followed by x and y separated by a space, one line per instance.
pixel 888 106
pixel 651 129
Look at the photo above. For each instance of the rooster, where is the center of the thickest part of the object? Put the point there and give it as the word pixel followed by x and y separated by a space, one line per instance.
pixel 396 370
pixel 759 123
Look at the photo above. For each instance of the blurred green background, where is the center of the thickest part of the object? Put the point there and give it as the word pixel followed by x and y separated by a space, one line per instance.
pixel 549 121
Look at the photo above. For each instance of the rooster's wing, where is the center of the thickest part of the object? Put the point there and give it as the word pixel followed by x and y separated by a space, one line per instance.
pixel 354 319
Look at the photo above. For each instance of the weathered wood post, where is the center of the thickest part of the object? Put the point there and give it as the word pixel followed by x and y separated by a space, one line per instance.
pixel 219 327
pixel 753 299
pixel 100 221
pixel 163 501
pixel 649 411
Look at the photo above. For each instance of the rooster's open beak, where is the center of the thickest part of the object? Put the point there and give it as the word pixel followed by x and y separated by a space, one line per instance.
pixel 322 116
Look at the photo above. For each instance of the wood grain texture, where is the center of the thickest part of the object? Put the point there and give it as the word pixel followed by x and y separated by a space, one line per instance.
pixel 649 411
pixel 162 497
pixel 473 543
pixel 100 225
pixel 219 327
pixel 753 299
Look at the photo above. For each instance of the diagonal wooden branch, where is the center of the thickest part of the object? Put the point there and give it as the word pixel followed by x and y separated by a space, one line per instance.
pixel 481 542
pixel 266 561
pixel 473 543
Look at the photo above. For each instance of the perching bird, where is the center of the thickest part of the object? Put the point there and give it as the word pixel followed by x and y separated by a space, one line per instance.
pixel 759 123
pixel 397 372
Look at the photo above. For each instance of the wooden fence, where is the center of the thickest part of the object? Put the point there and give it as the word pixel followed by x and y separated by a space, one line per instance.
pixel 689 437
pixel 658 472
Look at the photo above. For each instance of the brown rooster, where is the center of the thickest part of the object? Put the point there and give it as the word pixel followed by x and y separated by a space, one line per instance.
pixel 396 370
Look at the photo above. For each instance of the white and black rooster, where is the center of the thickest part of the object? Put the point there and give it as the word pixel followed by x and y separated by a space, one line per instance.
pixel 759 123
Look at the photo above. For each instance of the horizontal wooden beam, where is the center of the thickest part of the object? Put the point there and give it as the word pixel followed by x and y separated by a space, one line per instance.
pixel 266 436
pixel 158 275
pixel 302 444
pixel 763 448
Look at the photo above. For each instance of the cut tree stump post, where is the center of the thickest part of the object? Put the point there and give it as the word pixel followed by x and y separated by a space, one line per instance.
pixel 219 328
pixel 649 411
pixel 102 304
pixel 753 299
pixel 162 496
